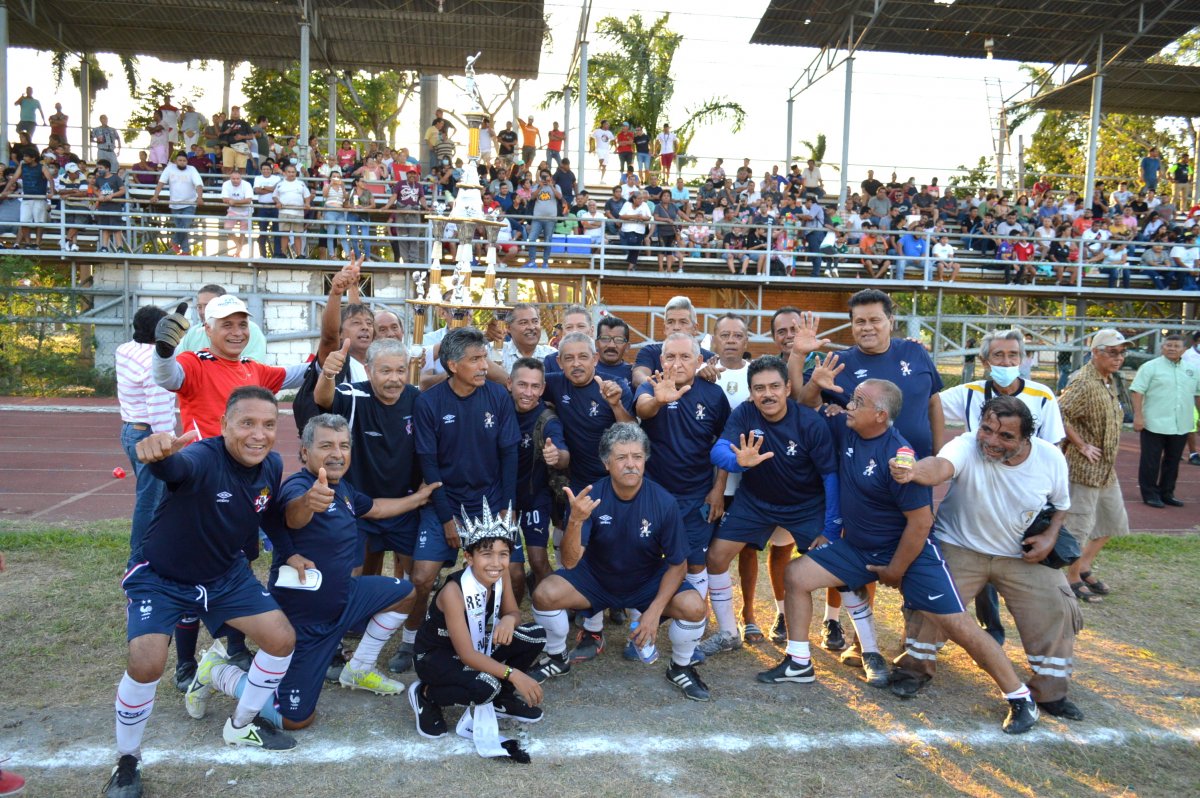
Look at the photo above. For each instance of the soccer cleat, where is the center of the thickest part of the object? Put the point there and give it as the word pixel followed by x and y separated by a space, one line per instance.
pixel 185 671
pixel 688 681
pixel 876 669
pixel 402 660
pixel 832 637
pixel 590 646
pixel 258 733
pixel 630 652
pixel 906 684
pixel 370 680
pixel 787 671
pixel 1062 708
pixel 334 672
pixel 514 707
pixel 195 700
pixel 430 722
pixel 553 665
pixel 1022 715
pixel 779 629
pixel 126 779
pixel 242 658
pixel 718 642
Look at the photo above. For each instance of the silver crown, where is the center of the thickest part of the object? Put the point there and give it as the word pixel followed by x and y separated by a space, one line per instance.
pixel 471 531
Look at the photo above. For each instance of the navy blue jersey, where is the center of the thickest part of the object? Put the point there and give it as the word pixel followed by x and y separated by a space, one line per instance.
pixel 383 454
pixel 585 416
pixel 621 372
pixel 330 540
pixel 909 366
pixel 464 442
pixel 650 356
pixel 627 542
pixel 682 434
pixel 873 504
pixel 533 490
pixel 803 450
pixel 213 508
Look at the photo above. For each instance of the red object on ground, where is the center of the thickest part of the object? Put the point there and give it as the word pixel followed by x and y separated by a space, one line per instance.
pixel 10 783
pixel 119 472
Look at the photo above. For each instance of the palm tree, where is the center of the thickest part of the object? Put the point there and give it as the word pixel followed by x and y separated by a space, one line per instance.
pixel 816 152
pixel 97 77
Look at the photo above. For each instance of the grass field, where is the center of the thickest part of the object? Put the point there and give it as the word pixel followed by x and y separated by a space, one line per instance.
pixel 618 728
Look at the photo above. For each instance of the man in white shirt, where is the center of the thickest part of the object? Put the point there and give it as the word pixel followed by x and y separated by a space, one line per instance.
pixel 813 184
pixel 635 217
pixel 238 197
pixel 265 210
pixel 665 143
pixel 183 190
pixel 1001 479
pixel 602 139
pixel 1184 255
pixel 525 335
pixel 592 222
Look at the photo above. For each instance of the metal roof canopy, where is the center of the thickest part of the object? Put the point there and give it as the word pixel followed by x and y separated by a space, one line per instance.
pixel 1021 30
pixel 1150 89
pixel 346 34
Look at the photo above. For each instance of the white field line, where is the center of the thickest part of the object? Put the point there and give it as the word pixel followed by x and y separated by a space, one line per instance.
pixel 312 750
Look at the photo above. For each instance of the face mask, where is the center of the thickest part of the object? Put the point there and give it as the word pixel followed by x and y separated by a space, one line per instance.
pixel 1004 376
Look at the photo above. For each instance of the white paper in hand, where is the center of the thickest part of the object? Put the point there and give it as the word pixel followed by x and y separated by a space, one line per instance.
pixel 289 577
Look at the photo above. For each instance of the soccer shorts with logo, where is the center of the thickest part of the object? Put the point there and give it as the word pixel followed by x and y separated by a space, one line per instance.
pixel 927 584
pixel 694 514
pixel 535 528
pixel 589 585
pixel 751 520
pixel 296 697
pixel 431 539
pixel 398 534
pixel 156 603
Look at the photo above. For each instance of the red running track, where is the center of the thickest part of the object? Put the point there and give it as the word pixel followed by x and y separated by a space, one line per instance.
pixel 57 458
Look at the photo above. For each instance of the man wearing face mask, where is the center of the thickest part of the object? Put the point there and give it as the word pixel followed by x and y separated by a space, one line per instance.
pixel 1002 353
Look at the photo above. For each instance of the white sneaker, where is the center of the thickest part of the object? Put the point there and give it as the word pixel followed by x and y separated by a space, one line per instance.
pixel 259 733
pixel 195 700
pixel 370 680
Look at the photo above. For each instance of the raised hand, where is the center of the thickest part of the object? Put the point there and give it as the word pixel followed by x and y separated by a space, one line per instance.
pixel 581 505
pixel 162 445
pixel 711 370
pixel 749 453
pixel 169 331
pixel 551 454
pixel 320 495
pixel 336 361
pixel 806 340
pixel 610 390
pixel 825 373
pixel 665 390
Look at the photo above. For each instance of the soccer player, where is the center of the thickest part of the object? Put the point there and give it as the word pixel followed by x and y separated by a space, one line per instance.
pixel 624 546
pixel 679 315
pixel 458 661
pixel 315 528
pixel 217 491
pixel 885 537
pixel 789 479
pixel 542 448
pixel 467 438
pixel 683 417
pixel 612 342
pixel 575 318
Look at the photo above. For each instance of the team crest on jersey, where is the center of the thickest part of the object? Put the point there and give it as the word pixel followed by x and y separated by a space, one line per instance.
pixel 701 410
pixel 294 699
pixel 145 609
pixel 731 388
pixel 566 400
pixel 223 497
pixel 408 425
pixel 849 451
pixel 869 471
pixel 594 410
pixel 672 405
pixel 645 530
pixel 905 369
pixel 264 497
pixel 791 448
pixel 349 506
pixel 606 519
pixel 861 373
pixel 526 440
pixel 448 418
pixel 489 420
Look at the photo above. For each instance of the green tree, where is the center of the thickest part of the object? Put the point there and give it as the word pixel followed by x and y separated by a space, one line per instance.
pixel 96 75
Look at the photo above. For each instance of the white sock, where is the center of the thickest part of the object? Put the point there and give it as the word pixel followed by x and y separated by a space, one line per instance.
pixel 799 651
pixel 595 623
pixel 1020 692
pixel 779 607
pixel 635 615
pixel 135 702
pixel 265 674
pixel 380 629
pixel 684 637
pixel 408 636
pixel 225 678
pixel 700 582
pixel 720 594
pixel 832 612
pixel 859 609
pixel 556 625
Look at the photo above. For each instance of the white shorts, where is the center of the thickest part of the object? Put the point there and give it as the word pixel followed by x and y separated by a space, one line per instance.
pixel 602 155
pixel 34 211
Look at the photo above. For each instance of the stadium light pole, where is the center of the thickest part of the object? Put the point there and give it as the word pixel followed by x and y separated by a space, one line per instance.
pixel 846 132
pixel 787 162
pixel 4 83
pixel 331 132
pixel 302 145
pixel 566 129
pixel 1089 180
pixel 583 79
pixel 85 103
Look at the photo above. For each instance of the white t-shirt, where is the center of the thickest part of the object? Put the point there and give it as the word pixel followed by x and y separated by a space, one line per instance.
pixel 642 210
pixel 666 143
pixel 962 404
pixel 603 139
pixel 943 253
pixel 485 141
pixel 238 192
pixel 1187 255
pixel 270 181
pixel 291 193
pixel 183 185
pixel 990 504
pixel 596 232
pixel 737 390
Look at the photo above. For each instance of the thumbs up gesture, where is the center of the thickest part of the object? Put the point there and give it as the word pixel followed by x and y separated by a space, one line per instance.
pixel 320 495
pixel 162 445
pixel 169 331
pixel 336 361
pixel 551 454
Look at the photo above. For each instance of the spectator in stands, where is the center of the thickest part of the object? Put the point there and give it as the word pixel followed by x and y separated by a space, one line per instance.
pixel 73 188
pixel 591 221
pixel 1184 257
pixel 238 198
pixel 1023 250
pixel 265 210
pixel 874 251
pixel 870 186
pixel 147 172
pixel 943 257
pixel 566 181
pixel 1165 395
pixel 1149 168
pixel 1120 196
pixel 334 196
pixel 190 123
pixel 408 198
pixel 184 188
pixel 1156 264
pixel 1181 182
pixel 292 200
pixel 1042 186
pixel 160 145
pixel 1064 251
pixel 1006 253
pixel 111 206
pixel 531 139
pixel 812 219
pixel 547 205
pixel 108 142
pixel 635 217
pixel 666 227
pixel 879 205
pixel 37 187
pixel 1115 262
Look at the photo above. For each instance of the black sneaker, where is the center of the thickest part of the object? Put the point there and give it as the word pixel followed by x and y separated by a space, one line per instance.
pixel 590 646
pixel 334 672
pixel 185 672
pixel 832 637
pixel 687 680
pixel 875 669
pixel 779 629
pixel 616 616
pixel 430 721
pixel 126 779
pixel 906 684
pixel 514 707
pixel 554 665
pixel 1062 708
pixel 241 659
pixel 1022 715
pixel 402 660
pixel 787 671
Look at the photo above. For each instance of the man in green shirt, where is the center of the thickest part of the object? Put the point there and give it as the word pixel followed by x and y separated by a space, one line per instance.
pixel 30 110
pixel 1164 392
pixel 197 339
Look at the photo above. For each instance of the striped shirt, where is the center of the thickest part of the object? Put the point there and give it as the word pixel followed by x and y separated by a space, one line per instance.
pixel 142 401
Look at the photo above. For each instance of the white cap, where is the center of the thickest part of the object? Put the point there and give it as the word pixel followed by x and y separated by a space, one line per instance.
pixel 1108 337
pixel 225 305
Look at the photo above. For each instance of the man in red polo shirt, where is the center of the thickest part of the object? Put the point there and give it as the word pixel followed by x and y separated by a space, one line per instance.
pixel 625 147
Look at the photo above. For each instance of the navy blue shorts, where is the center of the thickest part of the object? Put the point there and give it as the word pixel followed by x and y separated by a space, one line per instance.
pixel 583 579
pixel 751 520
pixel 694 514
pixel 398 534
pixel 927 584
pixel 156 603
pixel 296 697
pixel 536 524
pixel 431 539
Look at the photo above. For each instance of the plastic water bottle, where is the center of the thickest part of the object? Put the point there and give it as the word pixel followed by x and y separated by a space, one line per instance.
pixel 647 653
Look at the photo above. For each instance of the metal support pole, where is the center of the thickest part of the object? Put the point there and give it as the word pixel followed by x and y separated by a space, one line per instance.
pixel 1001 141
pixel 302 144
pixel 516 104
pixel 4 83
pixel 787 160
pixel 226 82
pixel 846 106
pixel 1020 164
pixel 331 130
pixel 429 104
pixel 566 129
pixel 583 86
pixel 1089 180
pixel 85 104
pixel 1195 177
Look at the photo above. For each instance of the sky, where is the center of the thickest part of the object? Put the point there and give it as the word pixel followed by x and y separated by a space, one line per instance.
pixel 920 115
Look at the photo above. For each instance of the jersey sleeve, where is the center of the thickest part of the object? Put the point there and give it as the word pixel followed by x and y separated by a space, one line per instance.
pixel 361 501
pixel 269 377
pixel 425 428
pixel 510 430
pixel 957 451
pixel 190 363
pixel 954 403
pixel 554 433
pixel 736 425
pixel 911 496
pixel 647 357
pixel 820 447
pixel 1141 380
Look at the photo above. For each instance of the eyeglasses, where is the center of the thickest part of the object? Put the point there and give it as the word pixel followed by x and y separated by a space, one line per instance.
pixel 857 402
pixel 1111 352
pixel 612 339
